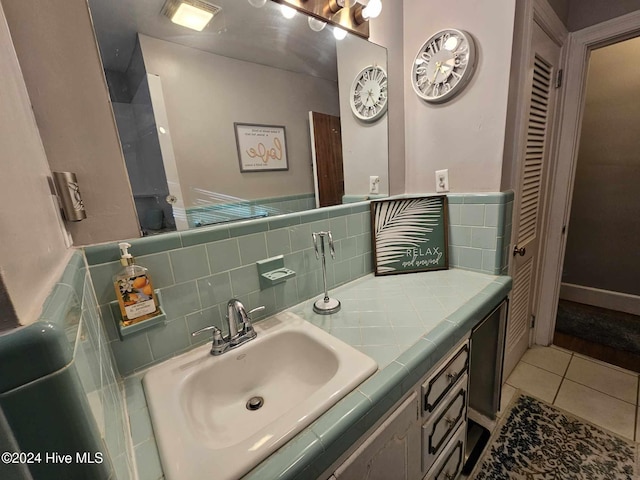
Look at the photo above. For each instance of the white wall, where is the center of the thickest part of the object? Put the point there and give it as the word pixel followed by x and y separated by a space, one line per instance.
pixel 62 70
pixel 365 145
pixel 33 248
pixel 206 93
pixel 386 30
pixel 604 227
pixel 465 135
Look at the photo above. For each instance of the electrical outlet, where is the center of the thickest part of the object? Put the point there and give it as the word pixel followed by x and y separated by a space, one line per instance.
pixel 442 181
pixel 374 184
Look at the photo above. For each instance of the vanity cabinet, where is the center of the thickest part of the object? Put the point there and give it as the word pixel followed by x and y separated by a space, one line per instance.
pixel 417 435
pixel 390 451
pixel 425 437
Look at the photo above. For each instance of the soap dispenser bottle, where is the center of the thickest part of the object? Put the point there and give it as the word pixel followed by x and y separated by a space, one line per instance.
pixel 134 290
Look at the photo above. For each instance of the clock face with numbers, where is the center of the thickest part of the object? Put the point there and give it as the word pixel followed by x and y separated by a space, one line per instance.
pixel 369 94
pixel 444 65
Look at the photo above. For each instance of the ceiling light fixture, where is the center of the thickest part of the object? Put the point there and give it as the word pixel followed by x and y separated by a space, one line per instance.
pixel 366 10
pixel 193 14
pixel 257 3
pixel 336 5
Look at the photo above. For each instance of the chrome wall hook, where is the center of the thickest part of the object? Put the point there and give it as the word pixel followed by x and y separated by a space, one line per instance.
pixel 325 305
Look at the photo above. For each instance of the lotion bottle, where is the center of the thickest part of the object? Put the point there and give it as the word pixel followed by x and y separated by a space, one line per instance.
pixel 134 290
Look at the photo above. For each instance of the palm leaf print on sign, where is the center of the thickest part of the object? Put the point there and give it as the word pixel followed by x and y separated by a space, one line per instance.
pixel 409 234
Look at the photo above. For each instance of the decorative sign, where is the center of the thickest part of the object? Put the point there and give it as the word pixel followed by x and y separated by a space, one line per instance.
pixel 261 148
pixel 410 235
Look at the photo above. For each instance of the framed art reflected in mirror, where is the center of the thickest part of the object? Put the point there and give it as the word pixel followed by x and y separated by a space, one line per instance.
pixel 261 148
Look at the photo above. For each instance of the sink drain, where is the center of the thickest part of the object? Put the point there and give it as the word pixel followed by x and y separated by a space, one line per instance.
pixel 254 403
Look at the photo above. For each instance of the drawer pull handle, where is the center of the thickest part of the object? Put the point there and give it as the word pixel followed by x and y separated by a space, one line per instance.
pixel 448 476
pixel 451 377
pixel 449 421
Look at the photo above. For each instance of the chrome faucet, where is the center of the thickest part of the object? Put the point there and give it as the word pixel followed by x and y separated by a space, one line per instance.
pixel 240 328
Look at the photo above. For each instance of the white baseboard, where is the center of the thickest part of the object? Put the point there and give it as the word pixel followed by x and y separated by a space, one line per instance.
pixel 621 302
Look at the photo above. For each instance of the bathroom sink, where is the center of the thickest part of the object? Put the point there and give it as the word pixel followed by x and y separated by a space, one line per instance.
pixel 219 416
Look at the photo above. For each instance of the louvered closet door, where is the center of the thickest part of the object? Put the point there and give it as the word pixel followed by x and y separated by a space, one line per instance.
pixel 545 57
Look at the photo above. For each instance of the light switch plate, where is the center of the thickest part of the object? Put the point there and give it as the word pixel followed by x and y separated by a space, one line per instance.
pixel 442 181
pixel 374 184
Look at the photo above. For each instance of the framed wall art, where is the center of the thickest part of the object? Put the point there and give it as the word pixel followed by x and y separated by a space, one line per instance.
pixel 261 148
pixel 410 235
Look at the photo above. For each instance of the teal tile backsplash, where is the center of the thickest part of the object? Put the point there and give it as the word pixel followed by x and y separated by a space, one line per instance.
pixel 480 231
pixel 198 271
pixel 197 279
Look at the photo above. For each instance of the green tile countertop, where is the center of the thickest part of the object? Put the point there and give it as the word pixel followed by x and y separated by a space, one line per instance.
pixel 407 323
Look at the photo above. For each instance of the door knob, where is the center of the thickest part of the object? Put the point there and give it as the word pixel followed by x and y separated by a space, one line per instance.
pixel 519 251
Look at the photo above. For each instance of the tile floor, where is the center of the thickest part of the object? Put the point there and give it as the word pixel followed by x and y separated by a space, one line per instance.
pixel 601 393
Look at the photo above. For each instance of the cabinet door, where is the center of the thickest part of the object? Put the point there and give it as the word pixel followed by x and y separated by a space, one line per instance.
pixel 392 451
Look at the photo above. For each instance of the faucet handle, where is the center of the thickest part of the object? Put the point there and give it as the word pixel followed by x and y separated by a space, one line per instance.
pixel 215 329
pixel 219 344
pixel 247 327
pixel 257 309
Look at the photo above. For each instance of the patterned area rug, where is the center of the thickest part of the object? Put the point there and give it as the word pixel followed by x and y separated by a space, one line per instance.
pixel 537 441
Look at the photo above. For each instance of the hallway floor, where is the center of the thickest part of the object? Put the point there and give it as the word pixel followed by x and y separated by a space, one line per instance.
pixel 603 394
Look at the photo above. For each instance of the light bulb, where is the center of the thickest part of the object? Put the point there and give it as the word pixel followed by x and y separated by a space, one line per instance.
pixel 257 3
pixel 316 25
pixel 339 33
pixel 287 11
pixel 373 9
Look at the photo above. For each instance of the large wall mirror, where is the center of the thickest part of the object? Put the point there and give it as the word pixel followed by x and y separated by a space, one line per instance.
pixel 247 118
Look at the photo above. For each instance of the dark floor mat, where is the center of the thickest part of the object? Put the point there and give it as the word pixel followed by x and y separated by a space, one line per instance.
pixel 615 329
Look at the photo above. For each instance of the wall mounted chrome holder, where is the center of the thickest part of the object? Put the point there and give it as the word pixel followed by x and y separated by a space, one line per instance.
pixel 325 305
pixel 69 196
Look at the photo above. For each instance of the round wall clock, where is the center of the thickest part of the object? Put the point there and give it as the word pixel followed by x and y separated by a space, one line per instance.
pixel 369 94
pixel 444 65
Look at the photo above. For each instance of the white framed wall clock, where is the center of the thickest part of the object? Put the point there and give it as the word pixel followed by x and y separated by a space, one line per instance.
pixel 368 95
pixel 444 65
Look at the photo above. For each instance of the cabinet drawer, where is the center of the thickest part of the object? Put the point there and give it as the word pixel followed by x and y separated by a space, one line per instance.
pixel 441 426
pixel 441 383
pixel 449 465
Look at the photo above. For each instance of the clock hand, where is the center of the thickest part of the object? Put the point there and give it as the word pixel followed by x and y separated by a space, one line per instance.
pixel 438 65
pixel 370 95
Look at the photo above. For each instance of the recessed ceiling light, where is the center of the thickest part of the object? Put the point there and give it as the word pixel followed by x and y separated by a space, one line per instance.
pixel 193 14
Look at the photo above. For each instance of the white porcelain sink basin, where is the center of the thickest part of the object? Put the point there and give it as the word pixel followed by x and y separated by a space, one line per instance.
pixel 198 403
